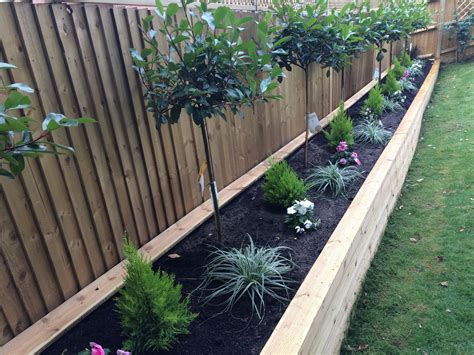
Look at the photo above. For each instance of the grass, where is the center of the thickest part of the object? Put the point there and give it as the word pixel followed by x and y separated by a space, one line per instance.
pixel 403 307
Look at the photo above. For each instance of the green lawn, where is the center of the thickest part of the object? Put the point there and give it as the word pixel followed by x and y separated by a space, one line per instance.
pixel 418 296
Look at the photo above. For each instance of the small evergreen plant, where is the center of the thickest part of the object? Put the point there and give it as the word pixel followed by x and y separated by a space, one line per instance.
pixel 398 69
pixel 391 85
pixel 373 105
pixel 405 59
pixel 341 129
pixel 152 310
pixel 282 186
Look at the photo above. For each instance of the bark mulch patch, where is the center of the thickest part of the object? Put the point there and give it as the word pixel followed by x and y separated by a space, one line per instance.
pixel 239 333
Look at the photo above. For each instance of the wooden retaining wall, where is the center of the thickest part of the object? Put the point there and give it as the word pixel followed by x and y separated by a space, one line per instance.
pixel 316 319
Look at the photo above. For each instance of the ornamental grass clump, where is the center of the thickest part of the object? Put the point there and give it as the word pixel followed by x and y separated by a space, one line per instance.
pixel 300 217
pixel 333 178
pixel 341 129
pixel 282 186
pixel 371 132
pixel 391 105
pixel 250 272
pixel 373 105
pixel 152 310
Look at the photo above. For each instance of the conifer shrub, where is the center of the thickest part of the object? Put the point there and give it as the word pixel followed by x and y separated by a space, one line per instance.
pixel 391 85
pixel 282 186
pixel 152 310
pixel 373 105
pixel 398 69
pixel 405 59
pixel 341 129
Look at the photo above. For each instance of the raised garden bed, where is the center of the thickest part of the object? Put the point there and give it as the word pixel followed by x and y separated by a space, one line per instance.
pixel 248 213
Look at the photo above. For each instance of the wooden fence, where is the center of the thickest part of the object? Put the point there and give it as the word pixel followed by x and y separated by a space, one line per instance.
pixel 62 220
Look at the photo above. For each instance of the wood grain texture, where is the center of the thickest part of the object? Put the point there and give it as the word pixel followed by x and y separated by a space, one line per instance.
pixel 316 319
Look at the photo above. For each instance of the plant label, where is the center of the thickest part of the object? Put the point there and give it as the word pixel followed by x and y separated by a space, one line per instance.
pixel 313 123
pixel 376 74
pixel 202 169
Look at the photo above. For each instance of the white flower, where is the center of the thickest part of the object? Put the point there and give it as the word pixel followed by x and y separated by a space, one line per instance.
pixel 299 230
pixel 301 210
pixel 308 204
pixel 290 210
pixel 308 224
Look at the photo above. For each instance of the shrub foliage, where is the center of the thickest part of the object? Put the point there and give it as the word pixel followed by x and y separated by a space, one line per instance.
pixel 391 85
pixel 341 129
pixel 152 310
pixel 282 186
pixel 398 69
pixel 373 105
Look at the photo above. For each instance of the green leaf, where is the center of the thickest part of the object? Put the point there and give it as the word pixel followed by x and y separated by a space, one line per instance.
pixel 17 101
pixel 6 173
pixel 180 38
pixel 21 87
pixel 198 27
pixel 172 9
pixel 160 11
pixel 54 121
pixel 209 18
pixel 17 164
pixel 60 146
pixel 13 124
pixel 264 84
pixel 83 120
pixel 6 66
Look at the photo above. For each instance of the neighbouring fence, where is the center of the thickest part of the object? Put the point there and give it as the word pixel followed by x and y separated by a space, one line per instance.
pixel 62 220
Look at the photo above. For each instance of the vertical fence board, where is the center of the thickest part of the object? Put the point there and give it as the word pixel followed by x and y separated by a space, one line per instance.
pixel 70 182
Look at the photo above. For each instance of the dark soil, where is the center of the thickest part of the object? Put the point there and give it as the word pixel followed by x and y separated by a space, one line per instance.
pixel 238 333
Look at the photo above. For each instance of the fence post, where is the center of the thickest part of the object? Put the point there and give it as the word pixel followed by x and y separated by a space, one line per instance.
pixel 442 8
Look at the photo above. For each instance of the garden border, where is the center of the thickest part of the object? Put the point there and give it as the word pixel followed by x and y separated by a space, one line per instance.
pixel 42 333
pixel 317 317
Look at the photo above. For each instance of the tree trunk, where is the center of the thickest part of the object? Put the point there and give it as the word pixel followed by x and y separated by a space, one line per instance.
pixel 306 118
pixel 390 56
pixel 342 85
pixel 212 181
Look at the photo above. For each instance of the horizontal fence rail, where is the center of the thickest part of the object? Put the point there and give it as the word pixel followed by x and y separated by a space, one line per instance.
pixel 62 220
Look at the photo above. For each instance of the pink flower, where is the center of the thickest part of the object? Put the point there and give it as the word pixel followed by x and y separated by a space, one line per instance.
pixel 406 73
pixel 96 349
pixel 123 352
pixel 357 161
pixel 343 161
pixel 354 155
pixel 342 146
